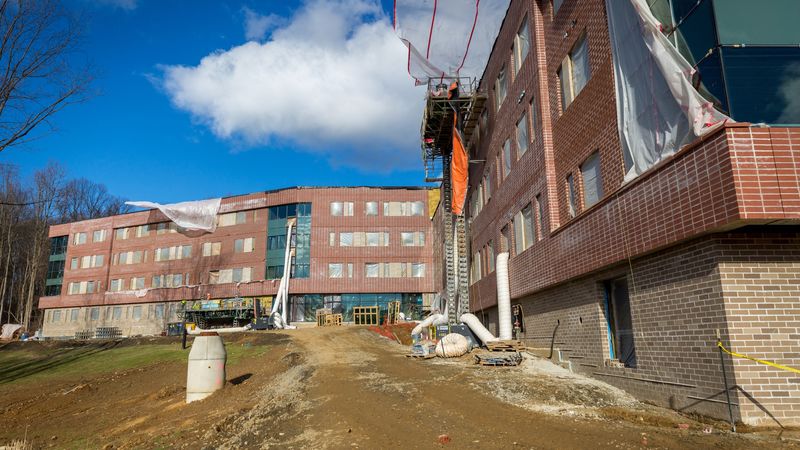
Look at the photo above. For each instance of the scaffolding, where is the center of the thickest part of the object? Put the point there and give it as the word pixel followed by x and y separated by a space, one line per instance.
pixel 437 148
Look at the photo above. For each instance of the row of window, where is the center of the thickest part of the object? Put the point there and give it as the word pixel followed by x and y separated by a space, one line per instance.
pixel 389 209
pixel 379 270
pixel 172 280
pixel 244 245
pixel 223 220
pixel 111 313
pixel 86 262
pixel 375 239
pixel 519 51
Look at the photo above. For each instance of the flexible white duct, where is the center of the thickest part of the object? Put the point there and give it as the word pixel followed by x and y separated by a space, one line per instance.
pixel 197 331
pixel 503 297
pixel 477 327
pixel 452 345
pixel 277 320
pixel 425 323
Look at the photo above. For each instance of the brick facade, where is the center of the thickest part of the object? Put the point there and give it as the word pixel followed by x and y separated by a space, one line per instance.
pixel 255 206
pixel 666 229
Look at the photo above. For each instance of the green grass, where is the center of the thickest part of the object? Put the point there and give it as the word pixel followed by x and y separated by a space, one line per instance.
pixel 18 366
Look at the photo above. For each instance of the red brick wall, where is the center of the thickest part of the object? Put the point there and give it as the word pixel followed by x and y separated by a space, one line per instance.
pixel 256 226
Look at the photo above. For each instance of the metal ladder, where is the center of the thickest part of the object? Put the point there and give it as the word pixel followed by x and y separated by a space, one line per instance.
pixel 449 257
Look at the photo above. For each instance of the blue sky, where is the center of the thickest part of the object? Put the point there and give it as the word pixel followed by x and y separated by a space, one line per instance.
pixel 189 107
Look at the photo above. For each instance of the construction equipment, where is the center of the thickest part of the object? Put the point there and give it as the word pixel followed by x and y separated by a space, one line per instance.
pixel 450 118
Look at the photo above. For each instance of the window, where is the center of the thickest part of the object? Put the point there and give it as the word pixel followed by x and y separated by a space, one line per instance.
pixel 557 4
pixel 212 248
pixel 507 158
pixel 117 313
pixel 137 283
pixel 619 323
pixel 404 208
pixel 95 313
pixel 487 186
pixel 332 239
pixel 243 274
pixel 73 315
pixel 412 238
pixel 56 317
pixel 476 267
pixel 58 245
pixel 372 270
pixel 81 287
pixel 522 44
pixel 572 206
pixel 243 245
pixel 500 88
pixel 418 270
pixel 132 257
pixel 99 236
pixel 88 261
pixel 522 135
pixel 345 239
pixel 121 233
pixel 592 182
pixel 234 218
pixel 490 256
pixel 523 229
pixel 371 208
pixel 167 227
pixel 116 285
pixel 172 253
pixel 574 72
pixel 159 311
pixel 79 238
pixel 336 270
pixel 377 239
pixel 73 263
pixel 137 312
pixel 341 208
pixel 142 231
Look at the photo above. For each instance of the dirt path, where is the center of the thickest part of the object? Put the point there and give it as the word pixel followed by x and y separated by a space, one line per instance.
pixel 343 388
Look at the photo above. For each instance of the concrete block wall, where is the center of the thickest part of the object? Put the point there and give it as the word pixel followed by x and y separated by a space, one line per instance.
pixel 147 324
pixel 760 277
pixel 745 283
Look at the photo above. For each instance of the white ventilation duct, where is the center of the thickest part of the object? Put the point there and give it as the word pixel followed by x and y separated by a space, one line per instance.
pixel 477 327
pixel 503 298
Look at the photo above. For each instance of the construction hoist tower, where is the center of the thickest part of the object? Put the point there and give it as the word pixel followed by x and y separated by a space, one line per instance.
pixel 446 109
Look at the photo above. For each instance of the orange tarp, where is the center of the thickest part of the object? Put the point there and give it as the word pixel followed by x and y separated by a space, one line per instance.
pixel 459 169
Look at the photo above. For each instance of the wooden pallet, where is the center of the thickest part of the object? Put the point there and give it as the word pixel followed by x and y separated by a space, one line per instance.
pixel 505 346
pixel 416 356
pixel 497 361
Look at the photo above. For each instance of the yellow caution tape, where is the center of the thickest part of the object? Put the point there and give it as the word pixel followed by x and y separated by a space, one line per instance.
pixel 760 361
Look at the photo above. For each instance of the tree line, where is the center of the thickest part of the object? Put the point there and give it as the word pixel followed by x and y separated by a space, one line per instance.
pixel 27 209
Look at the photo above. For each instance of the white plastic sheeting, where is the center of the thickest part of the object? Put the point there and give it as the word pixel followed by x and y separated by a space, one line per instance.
pixel 658 108
pixel 448 38
pixel 200 215
pixel 8 330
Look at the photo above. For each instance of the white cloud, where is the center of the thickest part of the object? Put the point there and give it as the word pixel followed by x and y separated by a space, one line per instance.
pixel 331 80
pixel 256 26
pixel 127 5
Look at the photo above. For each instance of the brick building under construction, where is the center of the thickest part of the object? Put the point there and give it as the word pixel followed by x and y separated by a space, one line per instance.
pixel 626 265
pixel 359 246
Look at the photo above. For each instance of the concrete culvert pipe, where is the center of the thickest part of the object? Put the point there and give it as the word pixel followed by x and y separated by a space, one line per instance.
pixel 206 371
pixel 477 327
pixel 503 298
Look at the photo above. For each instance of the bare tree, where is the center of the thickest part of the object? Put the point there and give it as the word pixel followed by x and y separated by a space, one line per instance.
pixel 37 78
pixel 82 199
